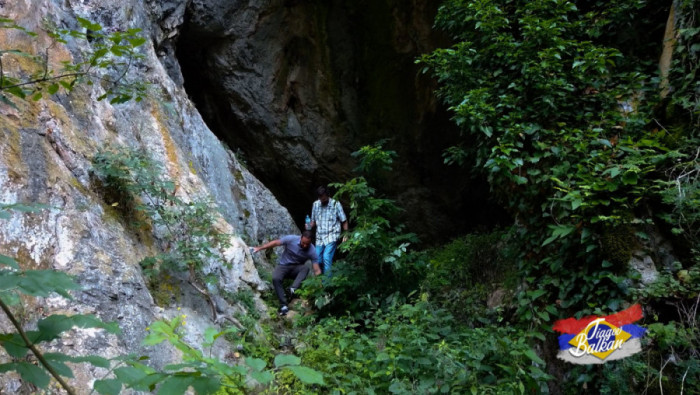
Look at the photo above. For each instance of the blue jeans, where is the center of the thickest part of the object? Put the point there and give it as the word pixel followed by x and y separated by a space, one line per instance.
pixel 325 257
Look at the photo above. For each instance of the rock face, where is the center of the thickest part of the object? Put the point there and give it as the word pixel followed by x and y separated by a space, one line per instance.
pixel 297 86
pixel 46 151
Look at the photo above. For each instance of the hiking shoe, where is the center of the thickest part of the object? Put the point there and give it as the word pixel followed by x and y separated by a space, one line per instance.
pixel 292 292
pixel 284 310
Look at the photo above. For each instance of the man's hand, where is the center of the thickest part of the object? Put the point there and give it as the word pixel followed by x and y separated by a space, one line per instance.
pixel 345 230
pixel 269 244
pixel 317 269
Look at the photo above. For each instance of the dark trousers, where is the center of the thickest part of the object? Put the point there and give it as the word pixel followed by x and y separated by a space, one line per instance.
pixel 298 272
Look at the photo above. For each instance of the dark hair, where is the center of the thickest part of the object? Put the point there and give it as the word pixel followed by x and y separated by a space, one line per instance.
pixel 307 234
pixel 320 191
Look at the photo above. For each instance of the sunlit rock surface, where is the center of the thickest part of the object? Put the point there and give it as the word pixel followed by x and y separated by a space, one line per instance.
pixel 46 148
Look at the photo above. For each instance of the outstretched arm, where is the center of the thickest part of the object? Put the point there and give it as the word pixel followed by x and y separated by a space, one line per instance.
pixel 269 244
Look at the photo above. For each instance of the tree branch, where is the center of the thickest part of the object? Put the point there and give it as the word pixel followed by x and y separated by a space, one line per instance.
pixel 35 350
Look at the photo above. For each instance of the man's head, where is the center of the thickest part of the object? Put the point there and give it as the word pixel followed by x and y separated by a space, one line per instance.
pixel 322 193
pixel 305 241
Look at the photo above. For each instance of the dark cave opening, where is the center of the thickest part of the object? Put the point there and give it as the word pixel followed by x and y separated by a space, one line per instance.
pixel 374 93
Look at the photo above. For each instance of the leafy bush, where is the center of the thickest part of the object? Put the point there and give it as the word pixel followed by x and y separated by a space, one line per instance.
pixel 202 372
pixel 417 348
pixel 465 271
pixel 377 258
pixel 558 114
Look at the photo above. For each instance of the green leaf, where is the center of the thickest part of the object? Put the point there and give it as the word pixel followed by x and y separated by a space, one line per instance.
pixel 629 178
pixel 137 42
pixel 531 354
pixel 52 326
pixel 154 338
pixel 536 294
pixel 118 50
pixel 11 298
pixel 120 99
pixel 262 377
pixel 148 382
pixel 16 91
pixel 15 346
pixel 175 385
pixel 129 375
pixel 108 386
pixel 91 359
pixel 210 336
pixel 33 374
pixel 52 89
pixel 7 261
pixel 576 203
pixel 286 359
pixel 29 208
pixel 307 375
pixel 44 282
pixel 549 240
pixel 62 369
pixel 95 27
pixel 206 385
pixel 256 364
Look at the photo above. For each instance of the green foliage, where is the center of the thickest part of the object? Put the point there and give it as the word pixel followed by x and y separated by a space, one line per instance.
pixel 374 159
pixel 682 194
pixel 685 65
pixel 567 123
pixel 465 271
pixel 204 373
pixel 145 196
pixel 418 348
pixel 558 119
pixel 111 56
pixel 378 262
pixel 246 298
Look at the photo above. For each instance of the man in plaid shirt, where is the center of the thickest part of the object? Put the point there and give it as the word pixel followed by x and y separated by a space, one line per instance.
pixel 328 217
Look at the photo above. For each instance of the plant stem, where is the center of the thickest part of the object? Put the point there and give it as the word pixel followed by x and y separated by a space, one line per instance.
pixel 35 350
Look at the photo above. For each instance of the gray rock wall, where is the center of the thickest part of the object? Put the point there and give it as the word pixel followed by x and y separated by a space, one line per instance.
pixel 46 149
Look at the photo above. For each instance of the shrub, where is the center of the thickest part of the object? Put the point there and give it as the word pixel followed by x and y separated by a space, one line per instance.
pixel 417 348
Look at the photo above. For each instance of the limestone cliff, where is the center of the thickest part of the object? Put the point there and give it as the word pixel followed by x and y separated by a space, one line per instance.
pixel 46 151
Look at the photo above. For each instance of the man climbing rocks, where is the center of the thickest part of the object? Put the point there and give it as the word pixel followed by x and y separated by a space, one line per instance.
pixel 297 250
pixel 327 216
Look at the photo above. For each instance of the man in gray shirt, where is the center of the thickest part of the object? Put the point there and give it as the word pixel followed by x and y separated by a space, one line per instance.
pixel 297 250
